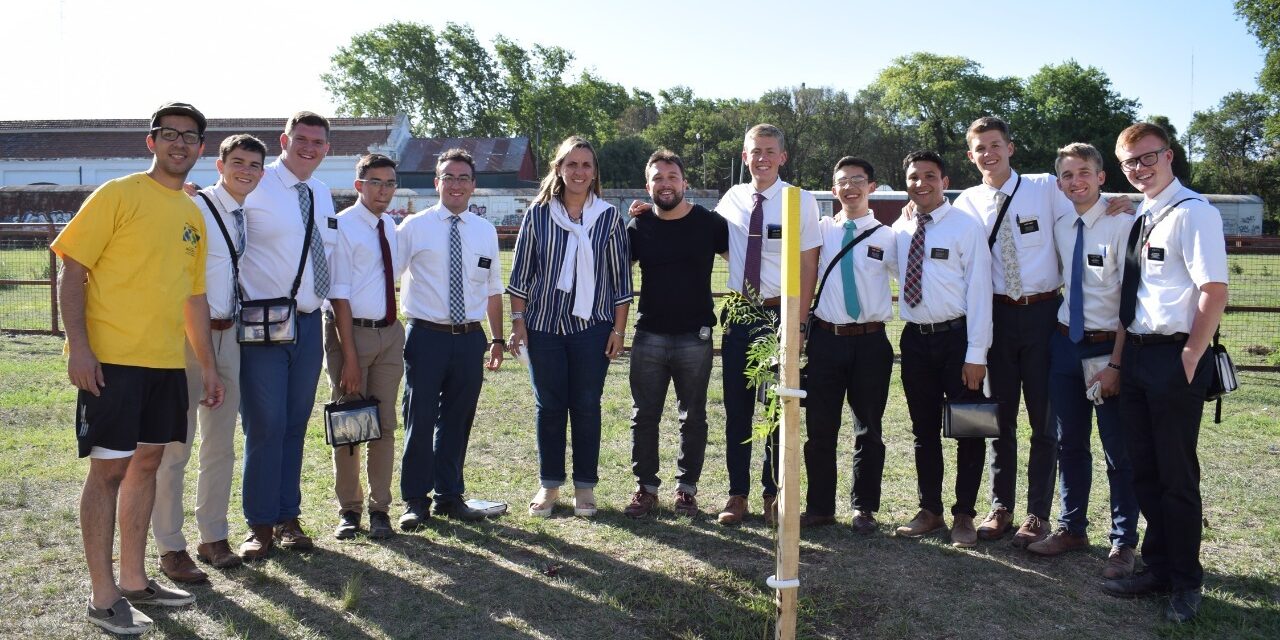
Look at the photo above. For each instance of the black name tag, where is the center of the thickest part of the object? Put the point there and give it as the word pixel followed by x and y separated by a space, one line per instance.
pixel 333 223
pixel 875 253
pixel 939 254
pixel 484 263
pixel 1095 260
pixel 1155 253
pixel 774 232
pixel 1028 226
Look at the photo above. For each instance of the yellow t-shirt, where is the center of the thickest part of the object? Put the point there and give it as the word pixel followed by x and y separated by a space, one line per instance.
pixel 144 246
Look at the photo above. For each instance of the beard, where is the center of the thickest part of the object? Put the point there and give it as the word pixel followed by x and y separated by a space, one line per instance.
pixel 667 204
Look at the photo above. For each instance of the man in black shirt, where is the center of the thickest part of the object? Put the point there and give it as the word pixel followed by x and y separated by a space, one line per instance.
pixel 675 244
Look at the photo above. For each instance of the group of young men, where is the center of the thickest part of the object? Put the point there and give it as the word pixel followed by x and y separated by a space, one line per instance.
pixel 153 282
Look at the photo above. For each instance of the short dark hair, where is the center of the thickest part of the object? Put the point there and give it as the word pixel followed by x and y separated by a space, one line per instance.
pixel 985 124
pixel 308 118
pixel 459 154
pixel 925 156
pixel 850 161
pixel 664 155
pixel 373 161
pixel 242 141
pixel 1135 132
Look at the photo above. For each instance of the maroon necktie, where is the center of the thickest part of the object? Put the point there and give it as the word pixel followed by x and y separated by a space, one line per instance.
pixel 751 270
pixel 913 288
pixel 387 280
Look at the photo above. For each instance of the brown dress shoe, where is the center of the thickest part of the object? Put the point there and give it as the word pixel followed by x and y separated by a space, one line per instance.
pixel 1059 542
pixel 963 535
pixel 642 502
pixel 258 545
pixel 924 523
pixel 734 510
pixel 291 536
pixel 814 520
pixel 218 554
pixel 686 504
pixel 996 524
pixel 864 523
pixel 770 509
pixel 1119 563
pixel 179 567
pixel 1032 530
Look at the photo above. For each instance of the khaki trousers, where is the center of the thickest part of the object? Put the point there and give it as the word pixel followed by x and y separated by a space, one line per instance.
pixel 381 356
pixel 217 454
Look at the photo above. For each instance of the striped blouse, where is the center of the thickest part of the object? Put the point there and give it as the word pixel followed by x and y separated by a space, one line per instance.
pixel 540 250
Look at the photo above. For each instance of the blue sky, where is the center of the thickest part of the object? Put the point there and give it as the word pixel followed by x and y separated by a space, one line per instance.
pixel 93 59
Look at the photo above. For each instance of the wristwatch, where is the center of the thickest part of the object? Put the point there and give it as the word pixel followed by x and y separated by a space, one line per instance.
pixel 517 315
pixel 498 341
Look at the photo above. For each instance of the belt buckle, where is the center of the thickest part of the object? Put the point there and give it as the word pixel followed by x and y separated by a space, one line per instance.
pixel 457 329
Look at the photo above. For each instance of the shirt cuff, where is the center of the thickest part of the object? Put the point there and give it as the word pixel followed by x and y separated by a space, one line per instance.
pixel 976 355
pixel 339 292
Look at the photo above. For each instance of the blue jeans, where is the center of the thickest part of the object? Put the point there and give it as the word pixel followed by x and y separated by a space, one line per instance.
pixel 657 361
pixel 277 394
pixel 443 373
pixel 1074 415
pixel 568 379
pixel 739 409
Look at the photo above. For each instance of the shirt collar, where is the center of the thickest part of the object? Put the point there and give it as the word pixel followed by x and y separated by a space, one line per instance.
pixel 1162 199
pixel 938 214
pixel 860 222
pixel 284 174
pixel 226 203
pixel 443 214
pixel 1094 213
pixel 1007 187
pixel 363 214
pixel 772 190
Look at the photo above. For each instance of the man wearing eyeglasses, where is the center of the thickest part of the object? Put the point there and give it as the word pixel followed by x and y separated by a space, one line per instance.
pixel 452 279
pixel 278 381
pixel 364 342
pixel 1172 297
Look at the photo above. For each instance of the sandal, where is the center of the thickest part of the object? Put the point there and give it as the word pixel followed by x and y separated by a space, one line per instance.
pixel 543 502
pixel 584 501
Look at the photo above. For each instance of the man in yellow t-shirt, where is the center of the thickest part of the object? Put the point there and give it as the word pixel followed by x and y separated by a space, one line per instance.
pixel 132 284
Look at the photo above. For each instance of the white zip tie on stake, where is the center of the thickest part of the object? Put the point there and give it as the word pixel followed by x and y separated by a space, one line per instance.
pixel 786 392
pixel 775 583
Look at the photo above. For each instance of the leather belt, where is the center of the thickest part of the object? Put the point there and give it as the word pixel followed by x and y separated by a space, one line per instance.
pixel 937 327
pixel 853 329
pixel 1154 338
pixel 456 329
pixel 370 324
pixel 220 324
pixel 775 301
pixel 1089 336
pixel 1025 300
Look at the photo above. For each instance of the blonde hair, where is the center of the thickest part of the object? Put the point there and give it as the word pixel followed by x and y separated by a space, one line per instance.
pixel 1086 152
pixel 553 185
pixel 764 131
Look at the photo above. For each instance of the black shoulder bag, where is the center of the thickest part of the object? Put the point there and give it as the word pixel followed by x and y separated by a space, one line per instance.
pixel 275 321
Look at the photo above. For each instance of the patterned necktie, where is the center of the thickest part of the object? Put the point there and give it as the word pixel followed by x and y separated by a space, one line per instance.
pixel 1008 252
pixel 1076 309
pixel 319 264
pixel 237 218
pixel 751 268
pixel 846 275
pixel 388 282
pixel 457 308
pixel 913 289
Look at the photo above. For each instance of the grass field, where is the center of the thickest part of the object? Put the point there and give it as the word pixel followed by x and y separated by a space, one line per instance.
pixel 610 577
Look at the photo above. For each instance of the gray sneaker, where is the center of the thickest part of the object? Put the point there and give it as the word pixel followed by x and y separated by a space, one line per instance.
pixel 158 595
pixel 120 618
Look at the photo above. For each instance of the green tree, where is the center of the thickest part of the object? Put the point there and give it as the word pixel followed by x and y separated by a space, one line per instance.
pixel 1235 154
pixel 1263 18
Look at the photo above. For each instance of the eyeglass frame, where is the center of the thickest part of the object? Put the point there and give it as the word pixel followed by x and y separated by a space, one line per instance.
pixel 380 184
pixel 1129 165
pixel 184 135
pixel 462 179
pixel 851 181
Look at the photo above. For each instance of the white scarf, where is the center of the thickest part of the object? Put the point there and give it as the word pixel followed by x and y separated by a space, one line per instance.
pixel 577 272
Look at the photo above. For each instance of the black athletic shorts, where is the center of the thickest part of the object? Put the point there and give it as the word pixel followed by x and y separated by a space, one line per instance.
pixel 137 405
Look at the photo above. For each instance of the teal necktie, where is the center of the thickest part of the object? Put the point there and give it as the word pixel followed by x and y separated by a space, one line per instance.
pixel 846 275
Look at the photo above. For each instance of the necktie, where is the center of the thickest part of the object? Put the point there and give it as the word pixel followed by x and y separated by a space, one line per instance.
pixel 457 309
pixel 1076 309
pixel 751 268
pixel 1132 273
pixel 846 275
pixel 319 264
pixel 913 289
pixel 1008 252
pixel 388 281
pixel 237 217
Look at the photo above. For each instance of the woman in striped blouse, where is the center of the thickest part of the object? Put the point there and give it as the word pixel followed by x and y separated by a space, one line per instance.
pixel 570 291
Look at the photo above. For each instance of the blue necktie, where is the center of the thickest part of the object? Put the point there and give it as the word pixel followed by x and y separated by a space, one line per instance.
pixel 846 275
pixel 1076 308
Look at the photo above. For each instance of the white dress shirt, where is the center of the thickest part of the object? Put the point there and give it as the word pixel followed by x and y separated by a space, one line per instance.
pixel 219 280
pixel 357 261
pixel 1033 211
pixel 1104 245
pixel 955 256
pixel 422 255
pixel 1184 252
pixel 875 259
pixel 735 207
pixel 275 234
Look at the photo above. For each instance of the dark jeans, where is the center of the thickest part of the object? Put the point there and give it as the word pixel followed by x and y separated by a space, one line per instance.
pixel 658 359
pixel 856 370
pixel 568 379
pixel 1162 414
pixel 1019 366
pixel 739 408
pixel 931 368
pixel 442 377
pixel 1074 415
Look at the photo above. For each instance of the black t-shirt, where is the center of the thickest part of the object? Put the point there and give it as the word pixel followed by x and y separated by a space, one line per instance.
pixel 676 257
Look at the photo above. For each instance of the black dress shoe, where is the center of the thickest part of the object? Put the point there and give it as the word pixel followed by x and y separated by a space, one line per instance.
pixel 379 525
pixel 1141 584
pixel 455 507
pixel 1182 606
pixel 348 525
pixel 416 512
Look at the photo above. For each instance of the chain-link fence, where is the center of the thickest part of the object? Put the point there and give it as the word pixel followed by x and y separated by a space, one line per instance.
pixel 28 276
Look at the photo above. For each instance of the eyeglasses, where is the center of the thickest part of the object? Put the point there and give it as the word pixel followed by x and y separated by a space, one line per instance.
pixel 379 184
pixel 1146 160
pixel 852 181
pixel 462 180
pixel 169 134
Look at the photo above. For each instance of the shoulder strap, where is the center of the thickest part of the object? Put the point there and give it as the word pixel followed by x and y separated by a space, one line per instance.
pixel 823 283
pixel 1004 208
pixel 306 241
pixel 231 247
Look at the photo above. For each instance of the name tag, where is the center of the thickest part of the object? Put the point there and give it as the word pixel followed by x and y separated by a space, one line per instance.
pixel 1155 253
pixel 484 263
pixel 774 232
pixel 1030 225
pixel 939 254
pixel 333 223
pixel 875 253
pixel 1095 260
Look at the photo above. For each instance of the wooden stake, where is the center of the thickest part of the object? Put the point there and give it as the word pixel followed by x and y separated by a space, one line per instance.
pixel 788 550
